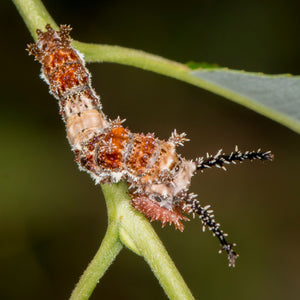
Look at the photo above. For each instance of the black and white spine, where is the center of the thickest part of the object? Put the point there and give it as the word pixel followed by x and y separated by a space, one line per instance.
pixel 221 159
pixel 207 218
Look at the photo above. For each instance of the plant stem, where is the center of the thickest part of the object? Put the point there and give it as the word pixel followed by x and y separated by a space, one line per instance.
pixel 34 14
pixel 136 232
pixel 109 249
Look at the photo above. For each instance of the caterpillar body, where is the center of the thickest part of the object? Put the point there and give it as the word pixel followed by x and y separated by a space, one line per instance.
pixel 157 176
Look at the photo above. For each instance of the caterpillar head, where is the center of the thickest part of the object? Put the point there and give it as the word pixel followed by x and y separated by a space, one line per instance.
pixel 165 200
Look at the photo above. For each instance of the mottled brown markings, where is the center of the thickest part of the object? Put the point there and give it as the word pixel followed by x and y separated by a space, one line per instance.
pixel 112 159
pixel 142 152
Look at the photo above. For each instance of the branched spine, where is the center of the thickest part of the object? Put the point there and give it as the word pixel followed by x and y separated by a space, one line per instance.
pixel 207 219
pixel 220 159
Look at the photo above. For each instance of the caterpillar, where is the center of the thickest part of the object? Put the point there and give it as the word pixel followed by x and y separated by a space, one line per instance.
pixel 158 177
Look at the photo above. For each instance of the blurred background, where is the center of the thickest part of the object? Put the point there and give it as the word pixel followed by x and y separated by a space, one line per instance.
pixel 53 217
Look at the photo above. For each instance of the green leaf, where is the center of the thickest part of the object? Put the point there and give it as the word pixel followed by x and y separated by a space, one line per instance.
pixel 277 96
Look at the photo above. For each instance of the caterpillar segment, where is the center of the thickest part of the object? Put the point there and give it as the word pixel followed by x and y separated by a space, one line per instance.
pixel 158 177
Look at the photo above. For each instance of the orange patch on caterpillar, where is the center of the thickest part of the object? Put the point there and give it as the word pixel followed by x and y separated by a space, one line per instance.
pixel 68 76
pixel 118 135
pixel 112 147
pixel 59 58
pixel 155 212
pixel 144 148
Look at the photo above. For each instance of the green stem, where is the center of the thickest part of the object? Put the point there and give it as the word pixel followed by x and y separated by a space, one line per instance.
pixel 137 234
pixel 109 249
pixel 34 14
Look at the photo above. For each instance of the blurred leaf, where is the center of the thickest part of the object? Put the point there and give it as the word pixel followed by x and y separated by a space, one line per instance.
pixel 275 96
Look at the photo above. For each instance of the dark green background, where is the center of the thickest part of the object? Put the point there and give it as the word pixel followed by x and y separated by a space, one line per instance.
pixel 53 217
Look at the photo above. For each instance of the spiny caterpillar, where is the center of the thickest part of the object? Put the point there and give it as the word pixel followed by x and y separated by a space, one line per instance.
pixel 158 178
